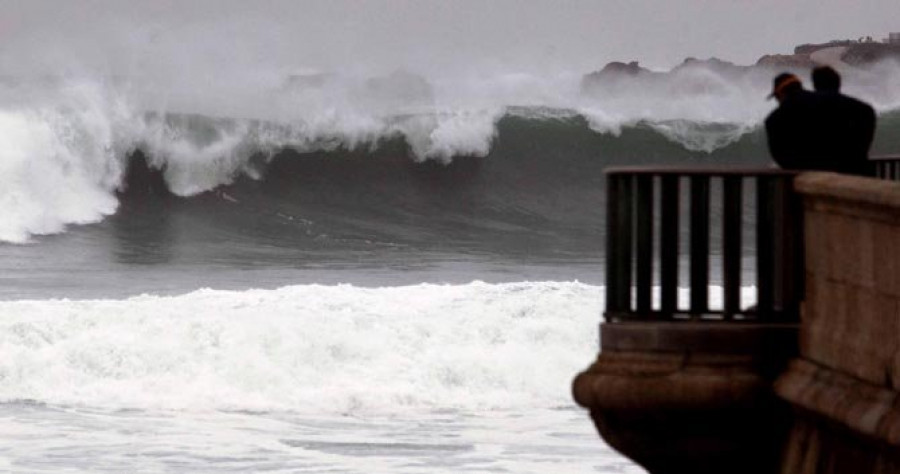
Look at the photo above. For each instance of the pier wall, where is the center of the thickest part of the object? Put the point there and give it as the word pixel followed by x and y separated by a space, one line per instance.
pixel 844 385
pixel 818 397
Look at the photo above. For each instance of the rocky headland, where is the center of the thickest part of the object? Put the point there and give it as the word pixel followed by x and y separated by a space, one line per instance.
pixel 842 54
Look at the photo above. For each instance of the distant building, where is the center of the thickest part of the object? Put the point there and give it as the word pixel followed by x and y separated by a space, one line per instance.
pixel 893 38
pixel 811 48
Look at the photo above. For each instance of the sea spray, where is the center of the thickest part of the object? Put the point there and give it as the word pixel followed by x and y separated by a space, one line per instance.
pixel 311 348
pixel 67 138
pixel 60 160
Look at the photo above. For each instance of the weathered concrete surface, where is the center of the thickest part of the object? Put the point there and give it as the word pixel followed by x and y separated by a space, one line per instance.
pixel 690 397
pixel 701 397
pixel 770 343
pixel 845 385
pixel 851 316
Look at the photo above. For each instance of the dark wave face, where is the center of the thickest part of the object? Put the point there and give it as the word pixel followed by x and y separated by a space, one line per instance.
pixel 532 208
pixel 538 195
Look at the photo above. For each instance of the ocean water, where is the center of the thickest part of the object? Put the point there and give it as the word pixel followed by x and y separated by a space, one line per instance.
pixel 328 273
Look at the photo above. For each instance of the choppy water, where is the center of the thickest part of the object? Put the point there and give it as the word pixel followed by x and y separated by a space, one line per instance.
pixel 328 272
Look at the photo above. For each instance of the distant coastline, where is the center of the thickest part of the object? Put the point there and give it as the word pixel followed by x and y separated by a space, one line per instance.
pixel 858 53
pixel 841 54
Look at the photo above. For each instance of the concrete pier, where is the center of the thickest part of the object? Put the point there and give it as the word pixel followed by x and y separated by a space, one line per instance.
pixel 690 397
pixel 818 397
pixel 845 385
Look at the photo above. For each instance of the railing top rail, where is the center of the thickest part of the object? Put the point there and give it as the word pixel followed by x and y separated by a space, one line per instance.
pixel 699 171
pixel 884 158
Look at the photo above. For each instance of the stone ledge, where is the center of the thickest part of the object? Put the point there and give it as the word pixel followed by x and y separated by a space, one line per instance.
pixel 838 193
pixel 681 412
pixel 864 408
pixel 721 337
pixel 641 382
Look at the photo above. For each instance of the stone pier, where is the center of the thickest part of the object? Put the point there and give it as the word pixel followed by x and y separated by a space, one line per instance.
pixel 685 397
pixel 821 397
pixel 845 386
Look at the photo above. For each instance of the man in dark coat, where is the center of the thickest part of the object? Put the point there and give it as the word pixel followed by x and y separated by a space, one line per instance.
pixel 818 131
pixel 856 121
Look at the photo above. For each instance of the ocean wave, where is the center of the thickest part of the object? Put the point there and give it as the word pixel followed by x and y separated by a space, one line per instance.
pixel 319 349
pixel 68 140
pixel 337 349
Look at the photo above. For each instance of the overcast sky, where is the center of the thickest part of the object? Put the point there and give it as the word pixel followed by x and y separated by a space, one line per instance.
pixel 430 35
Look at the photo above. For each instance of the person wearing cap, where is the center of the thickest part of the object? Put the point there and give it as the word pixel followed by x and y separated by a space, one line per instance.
pixel 854 122
pixel 816 131
pixel 791 129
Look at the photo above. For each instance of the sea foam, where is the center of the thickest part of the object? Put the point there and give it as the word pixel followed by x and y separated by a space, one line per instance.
pixel 58 162
pixel 337 349
pixel 311 348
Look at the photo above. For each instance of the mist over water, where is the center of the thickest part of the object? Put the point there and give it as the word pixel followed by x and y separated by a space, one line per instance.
pixel 68 136
pixel 398 207
pixel 202 88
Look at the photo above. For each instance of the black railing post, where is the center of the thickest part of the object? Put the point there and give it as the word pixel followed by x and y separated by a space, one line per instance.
pixel 632 234
pixel 699 245
pixel 612 243
pixel 732 206
pixel 670 207
pixel 619 244
pixel 644 249
pixel 765 245
pixel 885 167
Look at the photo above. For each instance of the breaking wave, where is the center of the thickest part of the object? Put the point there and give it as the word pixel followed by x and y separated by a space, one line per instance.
pixel 69 141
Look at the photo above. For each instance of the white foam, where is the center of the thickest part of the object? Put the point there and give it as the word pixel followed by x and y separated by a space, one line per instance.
pixel 59 161
pixel 311 348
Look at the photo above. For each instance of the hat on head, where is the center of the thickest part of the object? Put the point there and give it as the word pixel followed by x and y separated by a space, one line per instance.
pixel 783 81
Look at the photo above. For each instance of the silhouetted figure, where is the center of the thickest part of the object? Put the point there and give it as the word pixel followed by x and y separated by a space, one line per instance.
pixel 791 128
pixel 824 131
pixel 854 118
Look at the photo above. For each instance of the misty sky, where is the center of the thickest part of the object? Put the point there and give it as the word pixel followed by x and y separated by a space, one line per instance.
pixel 425 35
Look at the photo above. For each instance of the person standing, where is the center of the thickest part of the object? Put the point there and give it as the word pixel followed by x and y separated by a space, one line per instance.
pixel 824 131
pixel 792 129
pixel 853 119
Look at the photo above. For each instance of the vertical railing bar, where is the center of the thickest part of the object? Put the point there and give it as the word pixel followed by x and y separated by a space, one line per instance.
pixel 644 242
pixel 780 245
pixel 765 252
pixel 732 208
pixel 633 244
pixel 612 245
pixel 792 271
pixel 699 244
pixel 624 243
pixel 668 244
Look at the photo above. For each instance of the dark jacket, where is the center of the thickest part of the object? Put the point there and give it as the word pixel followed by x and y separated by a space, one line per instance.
pixel 821 131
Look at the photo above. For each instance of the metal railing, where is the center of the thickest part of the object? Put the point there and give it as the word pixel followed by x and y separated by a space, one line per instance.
pixel 886 166
pixel 647 263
